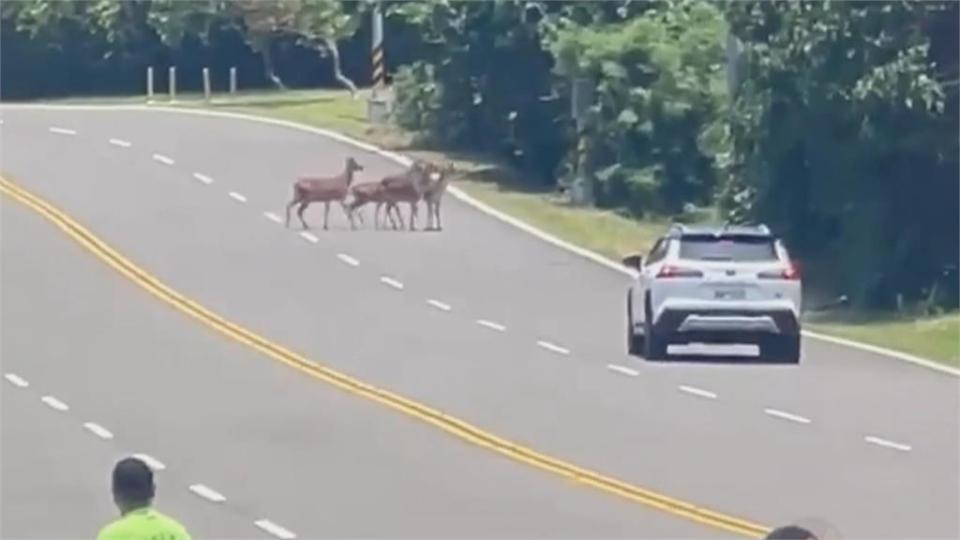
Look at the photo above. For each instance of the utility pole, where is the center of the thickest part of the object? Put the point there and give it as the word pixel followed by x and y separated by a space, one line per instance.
pixel 377 105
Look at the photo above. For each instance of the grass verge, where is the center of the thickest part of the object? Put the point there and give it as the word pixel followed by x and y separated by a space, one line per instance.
pixel 604 232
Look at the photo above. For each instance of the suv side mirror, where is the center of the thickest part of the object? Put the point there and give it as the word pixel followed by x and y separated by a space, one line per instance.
pixel 634 262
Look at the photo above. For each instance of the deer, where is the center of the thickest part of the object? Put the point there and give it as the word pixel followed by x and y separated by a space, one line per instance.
pixel 409 189
pixel 377 192
pixel 325 190
pixel 434 194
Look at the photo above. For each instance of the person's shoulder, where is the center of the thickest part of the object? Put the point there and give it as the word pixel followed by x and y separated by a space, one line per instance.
pixel 115 530
pixel 172 526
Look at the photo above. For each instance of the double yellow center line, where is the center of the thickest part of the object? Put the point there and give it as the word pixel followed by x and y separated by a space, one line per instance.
pixel 447 423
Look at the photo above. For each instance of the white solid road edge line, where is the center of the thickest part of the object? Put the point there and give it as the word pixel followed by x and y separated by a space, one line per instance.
pixel 888 444
pixel 54 403
pixel 467 199
pixel 491 325
pixel 439 305
pixel 203 491
pixel 389 281
pixel 553 347
pixel 63 131
pixel 151 461
pixel 203 178
pixel 239 197
pixel 98 430
pixel 309 237
pixel 623 370
pixel 163 159
pixel 274 529
pixel 121 143
pixel 787 416
pixel 16 380
pixel 697 391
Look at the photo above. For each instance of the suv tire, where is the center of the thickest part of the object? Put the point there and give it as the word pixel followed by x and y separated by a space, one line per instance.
pixel 635 343
pixel 784 349
pixel 655 343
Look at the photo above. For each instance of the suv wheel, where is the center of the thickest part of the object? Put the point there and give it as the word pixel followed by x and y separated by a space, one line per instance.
pixel 781 349
pixel 655 343
pixel 635 343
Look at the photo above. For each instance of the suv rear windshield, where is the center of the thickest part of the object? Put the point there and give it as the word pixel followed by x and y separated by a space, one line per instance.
pixel 744 248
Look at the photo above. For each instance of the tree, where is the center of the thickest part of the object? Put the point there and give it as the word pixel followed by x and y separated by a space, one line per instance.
pixel 319 25
pixel 846 140
pixel 657 130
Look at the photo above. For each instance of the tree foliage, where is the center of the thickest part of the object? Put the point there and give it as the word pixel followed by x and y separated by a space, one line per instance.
pixel 846 140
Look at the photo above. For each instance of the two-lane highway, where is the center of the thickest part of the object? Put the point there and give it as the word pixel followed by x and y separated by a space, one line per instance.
pixel 480 321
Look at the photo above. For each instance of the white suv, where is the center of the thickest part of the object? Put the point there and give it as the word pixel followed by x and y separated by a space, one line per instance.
pixel 715 285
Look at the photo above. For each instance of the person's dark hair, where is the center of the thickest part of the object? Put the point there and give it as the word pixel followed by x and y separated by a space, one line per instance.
pixel 790 532
pixel 132 483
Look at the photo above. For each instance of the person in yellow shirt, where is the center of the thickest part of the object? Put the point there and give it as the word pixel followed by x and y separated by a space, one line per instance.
pixel 133 492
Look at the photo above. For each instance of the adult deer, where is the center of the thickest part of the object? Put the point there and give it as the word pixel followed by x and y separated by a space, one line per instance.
pixel 408 188
pixel 325 190
pixel 378 193
pixel 434 194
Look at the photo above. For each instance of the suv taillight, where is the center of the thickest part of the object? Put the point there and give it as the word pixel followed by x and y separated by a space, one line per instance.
pixel 791 273
pixel 669 271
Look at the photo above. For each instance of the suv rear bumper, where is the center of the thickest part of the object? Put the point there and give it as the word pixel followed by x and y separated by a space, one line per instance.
pixel 712 322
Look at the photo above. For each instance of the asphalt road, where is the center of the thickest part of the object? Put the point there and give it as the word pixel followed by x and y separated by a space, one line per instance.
pixel 865 443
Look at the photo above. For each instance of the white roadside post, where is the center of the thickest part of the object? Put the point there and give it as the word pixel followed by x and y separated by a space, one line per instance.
pixel 150 84
pixel 206 84
pixel 172 83
pixel 233 80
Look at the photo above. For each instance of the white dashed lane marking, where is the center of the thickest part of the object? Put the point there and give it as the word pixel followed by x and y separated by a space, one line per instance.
pixel 273 217
pixel 207 493
pixel 63 131
pixel 888 444
pixel 274 529
pixel 348 259
pixel 439 305
pixel 553 347
pixel 163 159
pixel 309 237
pixel 491 325
pixel 202 178
pixel 623 370
pixel 693 390
pixel 238 197
pixel 390 282
pixel 121 143
pixel 16 380
pixel 54 403
pixel 787 416
pixel 151 461
pixel 98 430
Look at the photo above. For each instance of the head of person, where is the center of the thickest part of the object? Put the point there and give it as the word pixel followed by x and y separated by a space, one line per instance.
pixel 132 485
pixel 790 532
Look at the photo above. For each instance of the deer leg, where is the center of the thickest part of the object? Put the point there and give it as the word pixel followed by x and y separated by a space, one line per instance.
pixel 436 208
pixel 290 206
pixel 396 211
pixel 429 215
pixel 349 214
pixel 413 216
pixel 376 215
pixel 300 210
pixel 326 214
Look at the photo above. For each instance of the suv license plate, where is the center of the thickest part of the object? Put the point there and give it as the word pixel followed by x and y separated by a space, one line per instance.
pixel 730 294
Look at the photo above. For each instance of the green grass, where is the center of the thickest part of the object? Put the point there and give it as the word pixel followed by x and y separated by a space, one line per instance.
pixel 604 232
pixel 935 338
